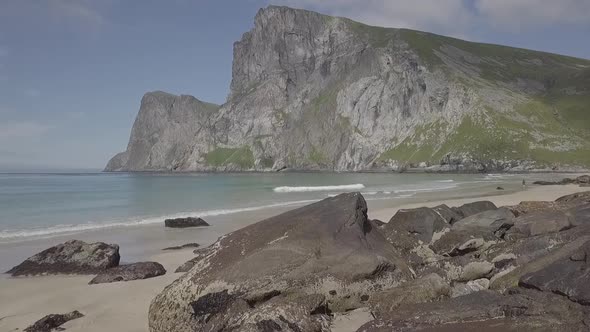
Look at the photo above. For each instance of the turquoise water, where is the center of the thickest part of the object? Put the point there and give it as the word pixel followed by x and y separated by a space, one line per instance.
pixel 41 205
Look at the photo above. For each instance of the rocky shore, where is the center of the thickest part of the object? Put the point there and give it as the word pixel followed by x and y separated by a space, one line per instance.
pixel 454 265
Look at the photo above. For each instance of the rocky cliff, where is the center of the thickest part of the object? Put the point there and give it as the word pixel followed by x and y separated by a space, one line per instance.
pixel 311 91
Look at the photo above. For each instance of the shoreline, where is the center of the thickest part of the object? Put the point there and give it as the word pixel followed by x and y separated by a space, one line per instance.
pixel 123 306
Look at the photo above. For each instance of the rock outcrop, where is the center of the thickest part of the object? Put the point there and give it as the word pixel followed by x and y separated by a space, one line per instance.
pixel 128 272
pixel 489 271
pixel 72 257
pixel 284 271
pixel 53 322
pixel 356 97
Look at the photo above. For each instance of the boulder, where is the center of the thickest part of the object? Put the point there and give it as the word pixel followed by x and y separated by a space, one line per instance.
pixel 489 220
pixel 584 179
pixel 488 225
pixel 517 310
pixel 536 253
pixel 428 288
pixel 470 209
pixel 71 257
pixel 575 199
pixel 53 322
pixel 536 206
pixel 472 286
pixel 568 276
pixel 185 222
pixel 448 214
pixel 539 223
pixel 135 271
pixel 476 270
pixel 421 223
pixel 184 246
pixel 328 248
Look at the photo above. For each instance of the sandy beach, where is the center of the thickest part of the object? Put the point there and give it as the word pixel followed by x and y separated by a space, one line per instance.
pixel 123 306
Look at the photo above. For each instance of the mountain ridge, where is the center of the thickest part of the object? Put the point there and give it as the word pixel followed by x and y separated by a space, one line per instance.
pixel 315 92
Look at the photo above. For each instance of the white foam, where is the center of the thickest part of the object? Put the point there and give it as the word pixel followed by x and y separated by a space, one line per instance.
pixel 369 193
pixel 445 181
pixel 424 189
pixel 346 187
pixel 90 226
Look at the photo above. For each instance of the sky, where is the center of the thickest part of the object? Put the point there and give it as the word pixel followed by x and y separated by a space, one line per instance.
pixel 72 72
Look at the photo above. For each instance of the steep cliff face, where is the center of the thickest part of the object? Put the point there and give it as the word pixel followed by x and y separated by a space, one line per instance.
pixel 311 91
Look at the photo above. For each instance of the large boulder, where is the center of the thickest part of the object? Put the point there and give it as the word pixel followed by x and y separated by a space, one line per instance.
pixel 569 276
pixel 470 209
pixel 53 322
pixel 518 310
pixel 72 257
pixel 328 248
pixel 534 254
pixel 539 223
pixel 527 207
pixel 447 213
pixel 185 222
pixel 421 223
pixel 575 199
pixel 135 271
pixel 488 226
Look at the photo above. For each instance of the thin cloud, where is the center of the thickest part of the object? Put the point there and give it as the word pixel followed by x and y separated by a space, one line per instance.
pixel 81 10
pixel 526 14
pixel 20 130
pixel 454 17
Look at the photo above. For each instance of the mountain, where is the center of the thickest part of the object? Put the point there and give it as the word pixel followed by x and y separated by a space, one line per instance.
pixel 311 91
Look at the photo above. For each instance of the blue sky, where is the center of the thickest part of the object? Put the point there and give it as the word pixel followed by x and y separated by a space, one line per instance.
pixel 72 72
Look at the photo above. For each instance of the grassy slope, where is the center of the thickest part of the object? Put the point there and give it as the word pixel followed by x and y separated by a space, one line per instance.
pixel 553 127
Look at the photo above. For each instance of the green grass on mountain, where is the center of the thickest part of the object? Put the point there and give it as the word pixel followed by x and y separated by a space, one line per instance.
pixel 498 136
pixel 243 157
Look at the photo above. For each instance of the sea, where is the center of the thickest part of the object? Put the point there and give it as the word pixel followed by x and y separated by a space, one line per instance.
pixel 45 205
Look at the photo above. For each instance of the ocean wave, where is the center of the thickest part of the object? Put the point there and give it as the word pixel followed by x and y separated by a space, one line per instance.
pixel 428 189
pixel 444 181
pixel 66 229
pixel 346 187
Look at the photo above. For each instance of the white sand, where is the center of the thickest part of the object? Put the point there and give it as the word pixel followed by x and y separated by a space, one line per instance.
pixel 123 306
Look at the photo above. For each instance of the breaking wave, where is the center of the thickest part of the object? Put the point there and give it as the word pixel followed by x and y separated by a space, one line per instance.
pixel 343 188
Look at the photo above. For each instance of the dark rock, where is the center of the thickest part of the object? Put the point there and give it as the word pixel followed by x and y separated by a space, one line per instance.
pixel 539 223
pixel 487 225
pixel 536 253
pixel 470 209
pixel 185 222
pixel 53 321
pixel 568 276
pixel 210 304
pixel 584 179
pixel 128 272
pixel 72 257
pixel 420 223
pixel 499 188
pixel 518 310
pixel 330 243
pixel 575 199
pixel 537 206
pixel 447 213
pixel 184 246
